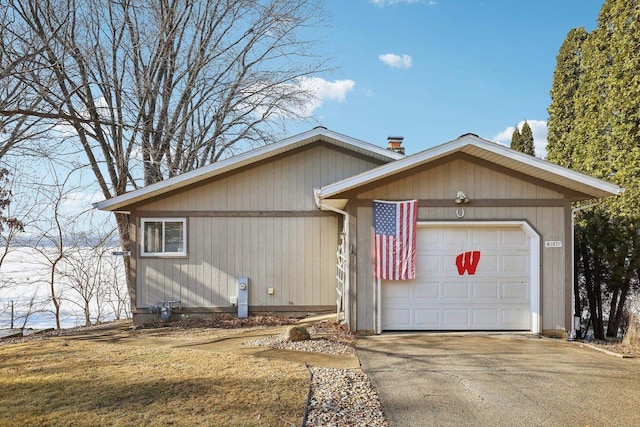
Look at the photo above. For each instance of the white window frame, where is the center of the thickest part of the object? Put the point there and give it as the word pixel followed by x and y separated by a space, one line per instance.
pixel 164 254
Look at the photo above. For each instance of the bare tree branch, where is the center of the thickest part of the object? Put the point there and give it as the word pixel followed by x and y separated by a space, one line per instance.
pixel 150 89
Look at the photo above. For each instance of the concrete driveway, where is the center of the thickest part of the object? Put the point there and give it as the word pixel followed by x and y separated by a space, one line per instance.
pixel 499 380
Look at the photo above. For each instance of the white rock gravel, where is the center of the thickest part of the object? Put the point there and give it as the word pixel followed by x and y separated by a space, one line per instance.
pixel 318 345
pixel 339 397
pixel 342 397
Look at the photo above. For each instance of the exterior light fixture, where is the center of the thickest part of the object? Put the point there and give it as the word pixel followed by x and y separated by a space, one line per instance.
pixel 461 197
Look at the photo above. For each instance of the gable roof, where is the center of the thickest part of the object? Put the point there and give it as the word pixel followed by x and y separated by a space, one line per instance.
pixel 486 150
pixel 223 166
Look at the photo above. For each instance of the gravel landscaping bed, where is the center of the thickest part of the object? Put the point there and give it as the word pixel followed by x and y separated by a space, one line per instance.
pixel 343 398
pixel 338 397
pixel 317 345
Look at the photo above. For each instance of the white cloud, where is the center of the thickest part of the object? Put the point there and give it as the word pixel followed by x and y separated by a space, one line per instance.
pixel 539 130
pixel 396 61
pixel 326 90
pixel 323 90
pixel 307 95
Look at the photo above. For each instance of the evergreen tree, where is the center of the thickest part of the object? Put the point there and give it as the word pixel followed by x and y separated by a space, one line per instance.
pixel 516 140
pixel 595 127
pixel 562 116
pixel 526 140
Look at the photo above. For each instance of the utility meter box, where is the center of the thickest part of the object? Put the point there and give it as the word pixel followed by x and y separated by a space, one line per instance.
pixel 243 296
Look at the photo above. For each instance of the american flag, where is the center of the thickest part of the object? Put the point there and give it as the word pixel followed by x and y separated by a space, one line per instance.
pixel 395 239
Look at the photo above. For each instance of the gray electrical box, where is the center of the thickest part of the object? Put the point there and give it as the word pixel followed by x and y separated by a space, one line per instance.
pixel 243 296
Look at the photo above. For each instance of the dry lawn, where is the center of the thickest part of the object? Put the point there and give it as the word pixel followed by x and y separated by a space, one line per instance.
pixel 72 382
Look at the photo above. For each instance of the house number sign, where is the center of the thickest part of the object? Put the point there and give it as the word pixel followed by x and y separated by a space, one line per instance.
pixel 552 244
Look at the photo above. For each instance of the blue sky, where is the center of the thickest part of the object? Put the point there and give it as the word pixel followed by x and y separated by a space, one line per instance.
pixel 433 70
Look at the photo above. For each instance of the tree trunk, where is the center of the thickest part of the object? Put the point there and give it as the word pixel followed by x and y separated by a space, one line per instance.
pixel 54 298
pixel 576 284
pixel 593 294
pixel 616 313
pixel 125 241
pixel 87 314
pixel 598 324
pixel 613 306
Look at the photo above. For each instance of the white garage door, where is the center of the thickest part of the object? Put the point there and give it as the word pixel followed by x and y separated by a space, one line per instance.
pixel 467 278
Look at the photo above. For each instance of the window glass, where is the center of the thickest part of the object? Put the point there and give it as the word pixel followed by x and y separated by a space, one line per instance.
pixel 164 237
pixel 173 240
pixel 153 236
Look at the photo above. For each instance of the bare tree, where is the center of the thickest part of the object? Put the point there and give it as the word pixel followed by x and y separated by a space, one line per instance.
pixel 88 275
pixel 153 88
pixel 114 292
pixel 16 54
pixel 81 271
pixel 29 308
pixel 51 229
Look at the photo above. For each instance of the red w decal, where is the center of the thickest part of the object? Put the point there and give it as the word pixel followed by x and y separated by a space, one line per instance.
pixel 468 262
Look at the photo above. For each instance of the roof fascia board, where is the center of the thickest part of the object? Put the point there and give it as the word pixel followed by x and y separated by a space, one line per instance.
pixel 550 167
pixel 383 153
pixel 240 160
pixel 383 171
pixel 450 147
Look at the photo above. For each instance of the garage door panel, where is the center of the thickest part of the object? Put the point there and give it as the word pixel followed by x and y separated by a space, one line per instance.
pixel 433 237
pixel 485 291
pixel 455 290
pixel 456 318
pixel 485 318
pixel 454 237
pixel 515 291
pixel 515 318
pixel 515 264
pixel 489 263
pixel 427 319
pixel 485 237
pixel 514 237
pixel 402 292
pixel 448 264
pixel 398 319
pixel 496 297
pixel 429 290
pixel 427 263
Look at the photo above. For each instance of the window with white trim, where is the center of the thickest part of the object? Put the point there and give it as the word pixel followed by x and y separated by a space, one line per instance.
pixel 164 237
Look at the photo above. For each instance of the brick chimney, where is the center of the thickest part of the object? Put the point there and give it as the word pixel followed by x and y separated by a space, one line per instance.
pixel 395 144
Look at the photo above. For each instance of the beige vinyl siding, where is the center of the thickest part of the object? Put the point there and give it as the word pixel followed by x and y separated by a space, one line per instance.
pixel 294 252
pixel 476 180
pixel 479 183
pixel 290 255
pixel 283 184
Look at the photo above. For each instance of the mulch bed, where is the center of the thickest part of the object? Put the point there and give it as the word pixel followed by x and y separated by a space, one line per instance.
pixel 223 321
pixel 334 331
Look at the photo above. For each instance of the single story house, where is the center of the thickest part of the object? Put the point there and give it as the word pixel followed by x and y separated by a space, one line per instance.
pixel 295 220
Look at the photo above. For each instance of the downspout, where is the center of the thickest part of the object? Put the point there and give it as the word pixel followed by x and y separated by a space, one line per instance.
pixel 347 249
pixel 575 322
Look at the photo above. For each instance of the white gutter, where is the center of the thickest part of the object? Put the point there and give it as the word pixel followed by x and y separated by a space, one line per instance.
pixel 347 249
pixel 573 263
